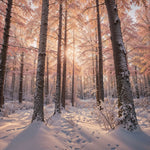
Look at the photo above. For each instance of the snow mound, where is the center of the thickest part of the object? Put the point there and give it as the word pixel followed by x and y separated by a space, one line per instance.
pixel 35 137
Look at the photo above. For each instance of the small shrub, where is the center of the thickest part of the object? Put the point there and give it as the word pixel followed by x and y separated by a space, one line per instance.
pixel 12 106
pixel 107 115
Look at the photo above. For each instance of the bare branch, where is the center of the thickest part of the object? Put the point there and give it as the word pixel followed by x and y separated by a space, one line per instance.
pixel 91 7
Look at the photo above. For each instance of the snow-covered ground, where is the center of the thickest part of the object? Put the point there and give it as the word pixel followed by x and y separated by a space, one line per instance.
pixel 76 128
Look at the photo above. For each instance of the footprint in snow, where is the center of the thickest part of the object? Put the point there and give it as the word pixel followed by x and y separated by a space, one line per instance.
pixel 77 149
pixel 69 141
pixel 84 141
pixel 113 148
pixel 3 137
pixel 10 130
pixel 70 147
pixel 78 140
pixel 21 128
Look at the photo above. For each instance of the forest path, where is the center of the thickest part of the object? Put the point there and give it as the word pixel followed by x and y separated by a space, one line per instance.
pixel 76 126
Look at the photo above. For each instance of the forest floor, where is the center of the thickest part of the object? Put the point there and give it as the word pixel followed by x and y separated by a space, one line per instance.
pixel 77 128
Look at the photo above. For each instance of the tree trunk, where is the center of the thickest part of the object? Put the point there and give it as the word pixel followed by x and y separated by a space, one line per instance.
pixel 3 53
pixel 101 85
pixel 97 76
pixel 13 79
pixel 65 61
pixel 136 84
pixel 47 84
pixel 81 87
pixel 6 85
pixel 72 97
pixel 93 71
pixel 58 80
pixel 145 86
pixel 38 113
pixel 84 87
pixel 97 80
pixel 141 87
pixel 21 78
pixel 26 85
pixel 148 78
pixel 33 79
pixel 127 115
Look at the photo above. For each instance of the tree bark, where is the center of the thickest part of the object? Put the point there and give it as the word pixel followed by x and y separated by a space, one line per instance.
pixel 38 113
pixel 127 115
pixel 21 78
pixel 65 61
pixel 58 80
pixel 33 78
pixel 72 97
pixel 148 78
pixel 136 84
pixel 141 87
pixel 81 87
pixel 13 79
pixel 6 83
pixel 3 53
pixel 47 83
pixel 145 86
pixel 101 85
pixel 93 71
pixel 97 80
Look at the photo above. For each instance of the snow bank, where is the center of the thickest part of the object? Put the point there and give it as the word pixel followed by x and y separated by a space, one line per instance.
pixel 36 137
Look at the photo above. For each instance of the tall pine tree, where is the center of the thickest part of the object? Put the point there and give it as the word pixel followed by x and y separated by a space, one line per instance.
pixel 38 113
pixel 3 53
pixel 58 81
pixel 127 115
